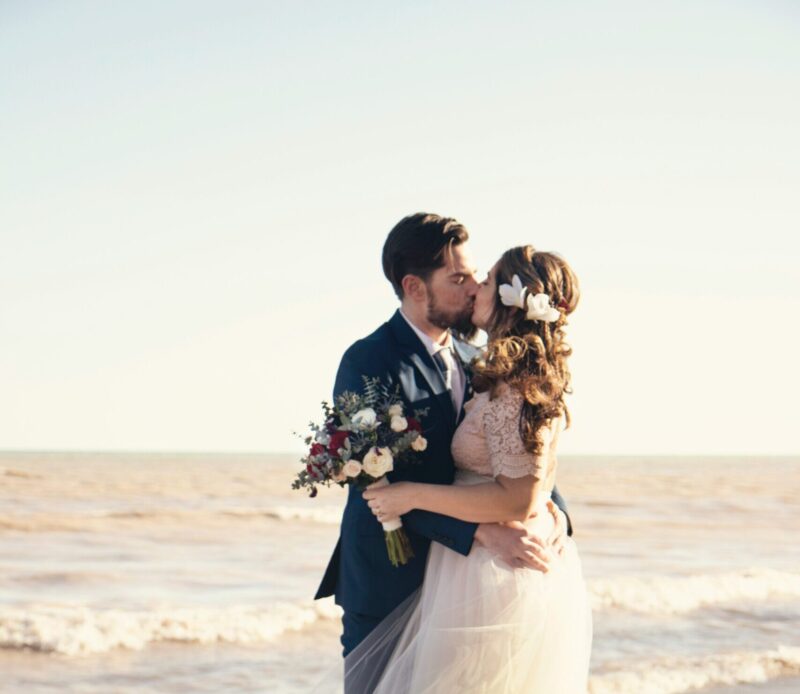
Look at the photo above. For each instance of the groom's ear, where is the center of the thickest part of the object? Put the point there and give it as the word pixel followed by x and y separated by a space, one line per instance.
pixel 414 288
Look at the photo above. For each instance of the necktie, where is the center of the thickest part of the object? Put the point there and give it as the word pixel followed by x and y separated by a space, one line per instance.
pixel 444 359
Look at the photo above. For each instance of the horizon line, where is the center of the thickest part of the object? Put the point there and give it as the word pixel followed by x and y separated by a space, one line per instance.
pixel 182 451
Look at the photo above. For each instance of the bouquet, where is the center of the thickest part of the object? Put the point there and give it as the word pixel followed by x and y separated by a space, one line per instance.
pixel 361 439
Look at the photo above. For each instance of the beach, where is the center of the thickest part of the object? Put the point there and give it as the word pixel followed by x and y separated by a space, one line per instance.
pixel 182 572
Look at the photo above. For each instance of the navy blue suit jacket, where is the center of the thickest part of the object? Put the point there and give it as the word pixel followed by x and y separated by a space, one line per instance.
pixel 359 573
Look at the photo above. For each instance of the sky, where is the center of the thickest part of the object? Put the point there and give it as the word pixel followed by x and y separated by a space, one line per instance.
pixel 194 197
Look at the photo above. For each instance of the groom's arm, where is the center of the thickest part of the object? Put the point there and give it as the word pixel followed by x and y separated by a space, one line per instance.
pixel 460 535
pixel 455 534
pixel 513 544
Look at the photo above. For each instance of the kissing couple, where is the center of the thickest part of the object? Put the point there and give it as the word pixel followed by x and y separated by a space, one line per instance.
pixel 493 600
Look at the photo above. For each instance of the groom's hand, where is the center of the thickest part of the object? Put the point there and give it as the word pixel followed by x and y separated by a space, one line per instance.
pixel 512 543
pixel 559 535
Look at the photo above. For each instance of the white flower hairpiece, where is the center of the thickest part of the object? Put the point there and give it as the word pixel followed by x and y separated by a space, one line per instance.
pixel 538 305
pixel 513 294
pixel 539 308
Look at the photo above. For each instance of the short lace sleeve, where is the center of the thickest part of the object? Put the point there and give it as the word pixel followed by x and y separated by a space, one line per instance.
pixel 507 453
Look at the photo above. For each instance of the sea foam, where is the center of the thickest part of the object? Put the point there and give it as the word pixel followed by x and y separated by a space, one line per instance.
pixel 676 675
pixel 79 630
pixel 99 521
pixel 682 594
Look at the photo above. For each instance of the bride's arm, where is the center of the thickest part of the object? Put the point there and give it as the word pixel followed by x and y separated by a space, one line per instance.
pixel 519 476
pixel 505 499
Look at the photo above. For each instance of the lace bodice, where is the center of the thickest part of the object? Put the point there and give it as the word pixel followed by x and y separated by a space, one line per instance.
pixel 487 441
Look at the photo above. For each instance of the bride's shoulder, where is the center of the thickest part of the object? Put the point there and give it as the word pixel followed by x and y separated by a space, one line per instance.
pixel 505 394
pixel 502 402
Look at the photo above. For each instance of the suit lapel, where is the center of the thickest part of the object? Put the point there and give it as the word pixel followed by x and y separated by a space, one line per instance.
pixel 413 348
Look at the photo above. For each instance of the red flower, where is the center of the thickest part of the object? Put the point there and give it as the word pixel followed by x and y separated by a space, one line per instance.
pixel 337 441
pixel 414 425
pixel 317 449
pixel 314 472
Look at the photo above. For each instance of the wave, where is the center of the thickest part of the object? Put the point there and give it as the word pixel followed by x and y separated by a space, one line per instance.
pixel 677 675
pixel 24 474
pixel 75 630
pixel 98 520
pixel 326 515
pixel 682 594
pixel 34 523
pixel 51 579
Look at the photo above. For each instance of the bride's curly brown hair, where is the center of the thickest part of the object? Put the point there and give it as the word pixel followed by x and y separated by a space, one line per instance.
pixel 530 355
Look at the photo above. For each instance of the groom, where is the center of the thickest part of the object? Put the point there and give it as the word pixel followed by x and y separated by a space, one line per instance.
pixel 426 259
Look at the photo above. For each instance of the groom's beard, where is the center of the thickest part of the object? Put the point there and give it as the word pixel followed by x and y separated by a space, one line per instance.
pixel 460 322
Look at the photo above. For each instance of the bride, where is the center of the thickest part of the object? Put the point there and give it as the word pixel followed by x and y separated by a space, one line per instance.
pixel 478 624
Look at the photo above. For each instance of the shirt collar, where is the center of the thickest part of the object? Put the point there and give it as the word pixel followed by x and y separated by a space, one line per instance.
pixel 430 345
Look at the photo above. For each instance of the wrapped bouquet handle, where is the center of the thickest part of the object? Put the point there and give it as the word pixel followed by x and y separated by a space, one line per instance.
pixel 397 543
pixel 391 523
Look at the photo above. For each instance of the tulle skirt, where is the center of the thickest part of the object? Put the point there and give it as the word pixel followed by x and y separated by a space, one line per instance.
pixel 478 626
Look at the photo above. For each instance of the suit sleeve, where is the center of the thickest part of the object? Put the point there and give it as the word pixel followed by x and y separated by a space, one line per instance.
pixel 559 501
pixel 453 533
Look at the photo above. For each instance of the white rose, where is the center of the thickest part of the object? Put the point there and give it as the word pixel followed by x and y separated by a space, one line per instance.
pixel 365 419
pixel 352 468
pixel 396 410
pixel 378 461
pixel 420 443
pixel 399 423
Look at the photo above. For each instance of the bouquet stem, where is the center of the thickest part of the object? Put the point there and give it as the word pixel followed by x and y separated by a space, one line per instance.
pixel 398 546
pixel 397 543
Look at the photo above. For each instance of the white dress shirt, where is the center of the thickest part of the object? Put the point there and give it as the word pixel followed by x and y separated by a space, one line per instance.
pixel 449 354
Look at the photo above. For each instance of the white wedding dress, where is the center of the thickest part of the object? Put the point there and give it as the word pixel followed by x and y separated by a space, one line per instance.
pixel 476 625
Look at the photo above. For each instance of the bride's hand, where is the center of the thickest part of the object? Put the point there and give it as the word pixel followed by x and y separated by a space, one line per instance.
pixel 391 501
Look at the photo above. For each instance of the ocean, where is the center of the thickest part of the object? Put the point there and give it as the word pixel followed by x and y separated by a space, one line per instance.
pixel 162 573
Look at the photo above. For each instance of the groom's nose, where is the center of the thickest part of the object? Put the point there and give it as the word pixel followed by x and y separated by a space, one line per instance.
pixel 472 286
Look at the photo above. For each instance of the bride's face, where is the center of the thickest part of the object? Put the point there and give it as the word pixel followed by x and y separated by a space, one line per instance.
pixel 484 300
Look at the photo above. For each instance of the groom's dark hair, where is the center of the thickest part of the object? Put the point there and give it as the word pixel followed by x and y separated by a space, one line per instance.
pixel 417 246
